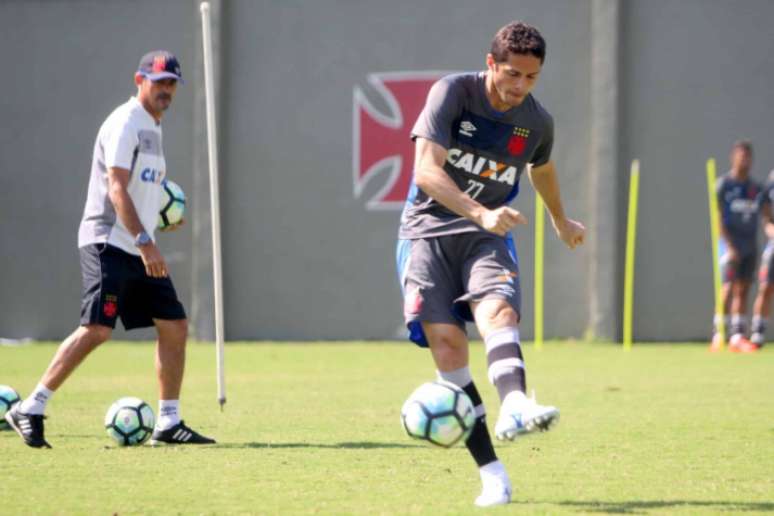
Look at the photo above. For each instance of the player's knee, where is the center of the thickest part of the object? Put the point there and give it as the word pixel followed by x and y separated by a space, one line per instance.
pixel 96 334
pixel 498 314
pixel 446 342
pixel 178 330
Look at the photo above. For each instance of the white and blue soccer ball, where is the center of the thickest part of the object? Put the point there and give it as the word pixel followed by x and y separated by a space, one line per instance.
pixel 438 412
pixel 129 421
pixel 8 398
pixel 172 204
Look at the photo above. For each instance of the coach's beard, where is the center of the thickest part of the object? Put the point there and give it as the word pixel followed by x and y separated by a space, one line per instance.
pixel 160 101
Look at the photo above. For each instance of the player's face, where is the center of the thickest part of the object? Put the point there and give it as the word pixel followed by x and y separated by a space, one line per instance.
pixel 741 159
pixel 161 93
pixel 513 79
pixel 157 96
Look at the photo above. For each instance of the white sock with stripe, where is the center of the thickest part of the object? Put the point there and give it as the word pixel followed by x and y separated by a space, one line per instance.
pixel 506 363
pixel 169 414
pixel 36 402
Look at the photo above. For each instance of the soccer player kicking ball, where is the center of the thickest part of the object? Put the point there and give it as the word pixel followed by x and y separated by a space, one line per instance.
pixel 124 274
pixel 457 261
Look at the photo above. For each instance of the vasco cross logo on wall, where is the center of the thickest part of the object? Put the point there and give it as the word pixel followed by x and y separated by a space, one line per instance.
pixel 381 141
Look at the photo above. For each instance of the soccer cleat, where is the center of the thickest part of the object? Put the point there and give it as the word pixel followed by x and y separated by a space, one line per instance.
pixel 758 339
pixel 522 415
pixel 178 434
pixel 28 426
pixel 495 492
pixel 740 344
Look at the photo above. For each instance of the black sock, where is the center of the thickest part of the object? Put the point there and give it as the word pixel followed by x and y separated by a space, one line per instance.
pixel 479 443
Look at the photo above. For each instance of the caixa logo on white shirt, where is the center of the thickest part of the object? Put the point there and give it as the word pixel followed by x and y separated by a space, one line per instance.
pixel 151 175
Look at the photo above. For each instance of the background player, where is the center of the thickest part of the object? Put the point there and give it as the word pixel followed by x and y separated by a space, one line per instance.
pixel 124 274
pixel 762 305
pixel 737 195
pixel 457 262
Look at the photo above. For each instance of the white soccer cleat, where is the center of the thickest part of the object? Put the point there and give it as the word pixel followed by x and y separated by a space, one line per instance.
pixel 521 415
pixel 496 491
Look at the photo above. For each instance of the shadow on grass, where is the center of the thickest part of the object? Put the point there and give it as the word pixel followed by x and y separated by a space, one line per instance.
pixel 645 506
pixel 364 445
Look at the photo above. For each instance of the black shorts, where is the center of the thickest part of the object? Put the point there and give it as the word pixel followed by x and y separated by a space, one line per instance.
pixel 115 284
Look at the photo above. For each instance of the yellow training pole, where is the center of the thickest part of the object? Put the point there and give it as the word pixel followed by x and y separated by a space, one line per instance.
pixel 631 238
pixel 540 226
pixel 715 232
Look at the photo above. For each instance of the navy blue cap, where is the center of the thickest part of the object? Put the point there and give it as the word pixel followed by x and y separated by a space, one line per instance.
pixel 160 64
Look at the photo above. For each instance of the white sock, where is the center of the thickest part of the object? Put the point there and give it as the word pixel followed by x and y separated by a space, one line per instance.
pixel 726 321
pixel 169 414
pixel 35 403
pixel 459 377
pixel 493 472
pixel 515 398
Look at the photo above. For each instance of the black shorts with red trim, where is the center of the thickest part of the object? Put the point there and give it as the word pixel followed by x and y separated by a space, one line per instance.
pixel 115 285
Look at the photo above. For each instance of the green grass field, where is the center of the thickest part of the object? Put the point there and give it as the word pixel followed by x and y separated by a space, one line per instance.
pixel 314 428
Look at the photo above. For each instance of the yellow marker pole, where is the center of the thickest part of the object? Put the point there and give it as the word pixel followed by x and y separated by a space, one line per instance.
pixel 540 227
pixel 715 232
pixel 631 238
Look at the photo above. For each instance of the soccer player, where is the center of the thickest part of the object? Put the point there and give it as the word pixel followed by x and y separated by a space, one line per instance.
pixel 762 305
pixel 457 261
pixel 123 272
pixel 737 197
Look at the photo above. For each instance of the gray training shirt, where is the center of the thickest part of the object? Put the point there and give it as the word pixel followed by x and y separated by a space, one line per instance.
pixel 488 151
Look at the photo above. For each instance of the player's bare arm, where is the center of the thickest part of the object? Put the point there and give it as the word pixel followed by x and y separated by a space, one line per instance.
pixel 545 181
pixel 431 178
pixel 118 181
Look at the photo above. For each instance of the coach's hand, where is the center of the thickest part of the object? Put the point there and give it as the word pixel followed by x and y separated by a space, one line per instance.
pixel 571 232
pixel 501 220
pixel 155 266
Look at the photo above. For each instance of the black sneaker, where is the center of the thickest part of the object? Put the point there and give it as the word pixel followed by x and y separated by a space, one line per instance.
pixel 178 434
pixel 28 426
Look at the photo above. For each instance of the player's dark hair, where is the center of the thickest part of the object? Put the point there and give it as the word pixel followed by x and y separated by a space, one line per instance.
pixel 518 38
pixel 745 145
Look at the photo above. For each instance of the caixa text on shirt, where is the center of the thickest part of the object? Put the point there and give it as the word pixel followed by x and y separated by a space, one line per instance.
pixel 151 175
pixel 482 167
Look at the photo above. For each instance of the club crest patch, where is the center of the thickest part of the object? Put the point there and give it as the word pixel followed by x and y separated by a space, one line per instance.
pixel 517 143
pixel 110 306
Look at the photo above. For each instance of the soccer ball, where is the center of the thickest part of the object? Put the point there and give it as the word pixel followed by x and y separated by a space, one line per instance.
pixel 438 412
pixel 172 204
pixel 130 421
pixel 8 398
